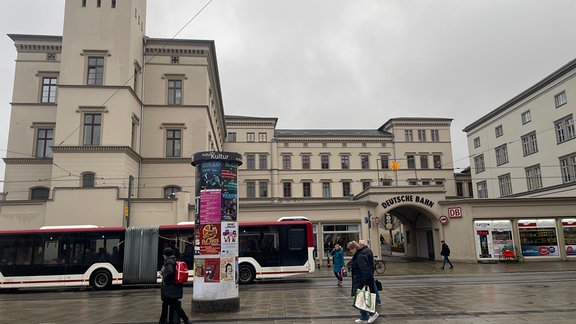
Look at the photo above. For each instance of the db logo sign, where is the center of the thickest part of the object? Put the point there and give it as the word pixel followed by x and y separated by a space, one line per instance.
pixel 443 219
pixel 455 212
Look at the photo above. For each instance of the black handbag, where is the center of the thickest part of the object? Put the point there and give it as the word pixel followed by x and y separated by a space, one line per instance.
pixel 378 285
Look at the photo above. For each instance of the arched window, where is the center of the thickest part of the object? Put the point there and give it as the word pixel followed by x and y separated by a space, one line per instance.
pixel 39 193
pixel 170 192
pixel 88 179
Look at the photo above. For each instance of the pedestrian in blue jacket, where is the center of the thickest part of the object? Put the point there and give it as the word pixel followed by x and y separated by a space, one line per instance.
pixel 338 254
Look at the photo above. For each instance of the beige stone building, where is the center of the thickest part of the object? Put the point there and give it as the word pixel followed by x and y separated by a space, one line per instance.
pixel 104 122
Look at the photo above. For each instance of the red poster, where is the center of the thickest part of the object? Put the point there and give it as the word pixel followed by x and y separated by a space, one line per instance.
pixel 210 239
pixel 212 270
pixel 210 205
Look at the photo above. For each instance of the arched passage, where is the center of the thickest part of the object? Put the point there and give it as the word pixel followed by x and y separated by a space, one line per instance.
pixel 420 230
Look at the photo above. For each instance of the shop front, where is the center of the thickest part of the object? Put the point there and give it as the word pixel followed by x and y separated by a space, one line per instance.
pixel 492 237
pixel 569 230
pixel 538 238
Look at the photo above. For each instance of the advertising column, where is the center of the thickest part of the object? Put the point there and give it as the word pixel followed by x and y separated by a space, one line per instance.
pixel 216 232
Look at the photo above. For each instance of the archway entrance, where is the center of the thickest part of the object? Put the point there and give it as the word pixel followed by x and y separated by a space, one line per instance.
pixel 419 229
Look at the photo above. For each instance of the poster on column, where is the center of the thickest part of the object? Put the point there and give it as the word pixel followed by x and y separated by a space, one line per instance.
pixel 229 192
pixel 227 269
pixel 212 270
pixel 229 238
pixel 210 202
pixel 209 239
pixel 210 175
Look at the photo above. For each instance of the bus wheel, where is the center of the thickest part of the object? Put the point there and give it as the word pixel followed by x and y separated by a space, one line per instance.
pixel 101 279
pixel 246 273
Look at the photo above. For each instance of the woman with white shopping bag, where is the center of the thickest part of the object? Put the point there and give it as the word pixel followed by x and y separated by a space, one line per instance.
pixel 363 283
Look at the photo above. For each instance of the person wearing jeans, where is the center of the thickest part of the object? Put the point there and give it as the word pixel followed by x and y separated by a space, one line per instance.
pixel 446 253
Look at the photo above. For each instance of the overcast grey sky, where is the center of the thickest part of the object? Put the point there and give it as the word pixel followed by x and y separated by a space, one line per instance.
pixel 348 64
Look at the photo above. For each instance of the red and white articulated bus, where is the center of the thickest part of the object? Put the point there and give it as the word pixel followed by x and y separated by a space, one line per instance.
pixel 75 256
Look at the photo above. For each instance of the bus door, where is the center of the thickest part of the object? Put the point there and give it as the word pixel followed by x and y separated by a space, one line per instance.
pixel 293 245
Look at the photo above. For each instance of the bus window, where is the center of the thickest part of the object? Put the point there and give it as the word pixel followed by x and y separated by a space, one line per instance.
pixel 23 251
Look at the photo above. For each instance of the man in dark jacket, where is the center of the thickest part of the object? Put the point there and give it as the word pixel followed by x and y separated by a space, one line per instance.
pixel 171 292
pixel 446 253
pixel 362 265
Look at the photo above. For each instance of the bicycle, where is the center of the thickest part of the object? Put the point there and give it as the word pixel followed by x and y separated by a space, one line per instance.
pixel 379 265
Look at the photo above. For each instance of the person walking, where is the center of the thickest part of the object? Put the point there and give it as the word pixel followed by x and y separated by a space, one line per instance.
pixel 171 292
pixel 363 243
pixel 446 253
pixel 338 254
pixel 362 276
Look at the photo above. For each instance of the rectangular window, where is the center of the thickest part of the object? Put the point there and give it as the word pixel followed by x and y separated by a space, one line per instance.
pixel 422 135
pixel 250 137
pixel 92 127
pixel 423 161
pixel 325 189
pixel 174 92
pixel 501 154
pixel 411 162
pixel 232 137
pixel 560 99
pixel 345 161
pixel 459 189
pixel 505 185
pixel 286 162
pixel 306 189
pixel 529 144
pixel 325 161
pixel 49 89
pixel 95 70
pixel 482 189
pixel 262 137
pixel 44 141
pixel 533 177
pixel 408 135
pixel 386 182
pixel 365 185
pixel 365 161
pixel 526 118
pixel 435 135
pixel 175 59
pixel 479 164
pixel 263 189
pixel 384 162
pixel 287 189
pixel 499 131
pixel 568 168
pixel 476 142
pixel 263 161
pixel 346 188
pixel 437 160
pixel 173 142
pixel 250 161
pixel 306 161
pixel 564 129
pixel 250 189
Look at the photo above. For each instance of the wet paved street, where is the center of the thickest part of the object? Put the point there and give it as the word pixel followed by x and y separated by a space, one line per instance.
pixel 415 292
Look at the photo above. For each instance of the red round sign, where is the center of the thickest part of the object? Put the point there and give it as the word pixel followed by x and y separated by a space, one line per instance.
pixel 443 219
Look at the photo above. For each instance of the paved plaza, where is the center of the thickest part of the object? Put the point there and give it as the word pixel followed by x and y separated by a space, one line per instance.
pixel 414 292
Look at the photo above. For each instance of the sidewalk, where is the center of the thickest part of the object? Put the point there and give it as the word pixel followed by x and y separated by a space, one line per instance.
pixel 400 266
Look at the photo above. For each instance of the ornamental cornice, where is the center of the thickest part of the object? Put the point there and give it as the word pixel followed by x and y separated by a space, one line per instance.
pixel 250 123
pixel 166 51
pixel 338 140
pixel 422 123
pixel 43 160
pixel 97 149
pixel 38 48
pixel 177 160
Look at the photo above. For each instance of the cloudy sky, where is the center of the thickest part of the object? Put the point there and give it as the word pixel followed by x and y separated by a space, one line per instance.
pixel 348 64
